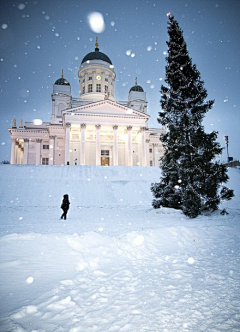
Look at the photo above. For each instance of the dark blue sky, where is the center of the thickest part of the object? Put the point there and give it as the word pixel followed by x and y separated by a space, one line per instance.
pixel 40 38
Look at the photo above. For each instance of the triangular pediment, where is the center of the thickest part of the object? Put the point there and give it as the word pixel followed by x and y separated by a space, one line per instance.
pixel 108 108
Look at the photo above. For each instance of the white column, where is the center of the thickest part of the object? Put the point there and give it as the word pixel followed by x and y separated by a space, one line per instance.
pixel 25 151
pixel 115 146
pixel 51 149
pixel 16 153
pixel 98 145
pixel 130 153
pixel 38 151
pixel 144 147
pixel 67 144
pixel 13 152
pixel 147 152
pixel 21 156
pixel 82 149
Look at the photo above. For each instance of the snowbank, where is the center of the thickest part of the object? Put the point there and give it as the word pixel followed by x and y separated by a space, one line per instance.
pixel 115 264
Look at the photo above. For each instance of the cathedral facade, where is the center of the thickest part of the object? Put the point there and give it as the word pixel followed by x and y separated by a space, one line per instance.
pixel 93 129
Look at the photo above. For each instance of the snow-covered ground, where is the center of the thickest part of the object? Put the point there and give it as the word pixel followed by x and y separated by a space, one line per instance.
pixel 115 264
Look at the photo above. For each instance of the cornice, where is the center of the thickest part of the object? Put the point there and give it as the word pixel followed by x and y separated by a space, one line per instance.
pixel 43 131
pixel 108 115
pixel 112 103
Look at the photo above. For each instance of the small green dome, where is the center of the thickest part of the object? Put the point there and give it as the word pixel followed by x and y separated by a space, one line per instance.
pixel 62 81
pixel 137 88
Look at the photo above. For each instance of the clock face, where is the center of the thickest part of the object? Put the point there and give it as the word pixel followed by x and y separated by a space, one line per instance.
pixel 98 77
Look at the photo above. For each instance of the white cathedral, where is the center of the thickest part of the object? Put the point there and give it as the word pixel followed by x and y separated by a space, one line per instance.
pixel 93 129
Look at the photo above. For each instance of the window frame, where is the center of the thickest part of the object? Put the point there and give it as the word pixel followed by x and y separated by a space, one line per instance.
pixel 90 88
pixel 98 87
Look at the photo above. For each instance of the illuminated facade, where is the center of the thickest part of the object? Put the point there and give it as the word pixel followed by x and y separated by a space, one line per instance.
pixel 93 129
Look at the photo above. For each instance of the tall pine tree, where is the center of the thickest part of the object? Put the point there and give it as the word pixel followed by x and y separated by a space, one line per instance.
pixel 191 179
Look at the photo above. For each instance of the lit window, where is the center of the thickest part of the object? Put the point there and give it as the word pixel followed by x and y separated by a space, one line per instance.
pixel 45 161
pixel 89 87
pixel 104 152
pixel 98 88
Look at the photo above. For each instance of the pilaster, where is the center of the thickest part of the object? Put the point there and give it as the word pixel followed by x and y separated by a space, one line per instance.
pixel 67 143
pixel 38 151
pixel 51 150
pixel 144 147
pixel 115 146
pixel 25 151
pixel 82 148
pixel 98 145
pixel 130 153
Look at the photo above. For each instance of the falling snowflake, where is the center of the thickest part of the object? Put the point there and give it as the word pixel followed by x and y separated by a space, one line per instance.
pixel 37 122
pixel 191 260
pixel 96 22
pixel 21 6
pixel 4 26
pixel 29 280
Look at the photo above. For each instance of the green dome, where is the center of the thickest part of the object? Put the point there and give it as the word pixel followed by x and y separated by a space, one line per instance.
pixel 96 56
pixel 137 88
pixel 62 81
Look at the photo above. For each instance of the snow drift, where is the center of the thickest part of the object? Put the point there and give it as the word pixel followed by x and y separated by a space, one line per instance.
pixel 115 264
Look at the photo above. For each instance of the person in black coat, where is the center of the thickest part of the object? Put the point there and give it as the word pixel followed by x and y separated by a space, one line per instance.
pixel 65 206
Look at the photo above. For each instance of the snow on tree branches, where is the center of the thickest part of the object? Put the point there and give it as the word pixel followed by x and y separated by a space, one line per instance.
pixel 191 179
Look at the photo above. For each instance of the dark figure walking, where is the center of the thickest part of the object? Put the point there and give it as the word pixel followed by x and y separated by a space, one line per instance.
pixel 65 206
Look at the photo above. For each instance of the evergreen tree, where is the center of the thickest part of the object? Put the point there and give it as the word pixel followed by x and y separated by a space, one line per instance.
pixel 191 179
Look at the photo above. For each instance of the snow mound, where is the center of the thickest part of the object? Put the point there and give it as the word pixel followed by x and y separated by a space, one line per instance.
pixel 112 266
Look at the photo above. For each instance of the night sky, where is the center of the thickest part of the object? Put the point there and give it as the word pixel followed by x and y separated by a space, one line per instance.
pixel 40 38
